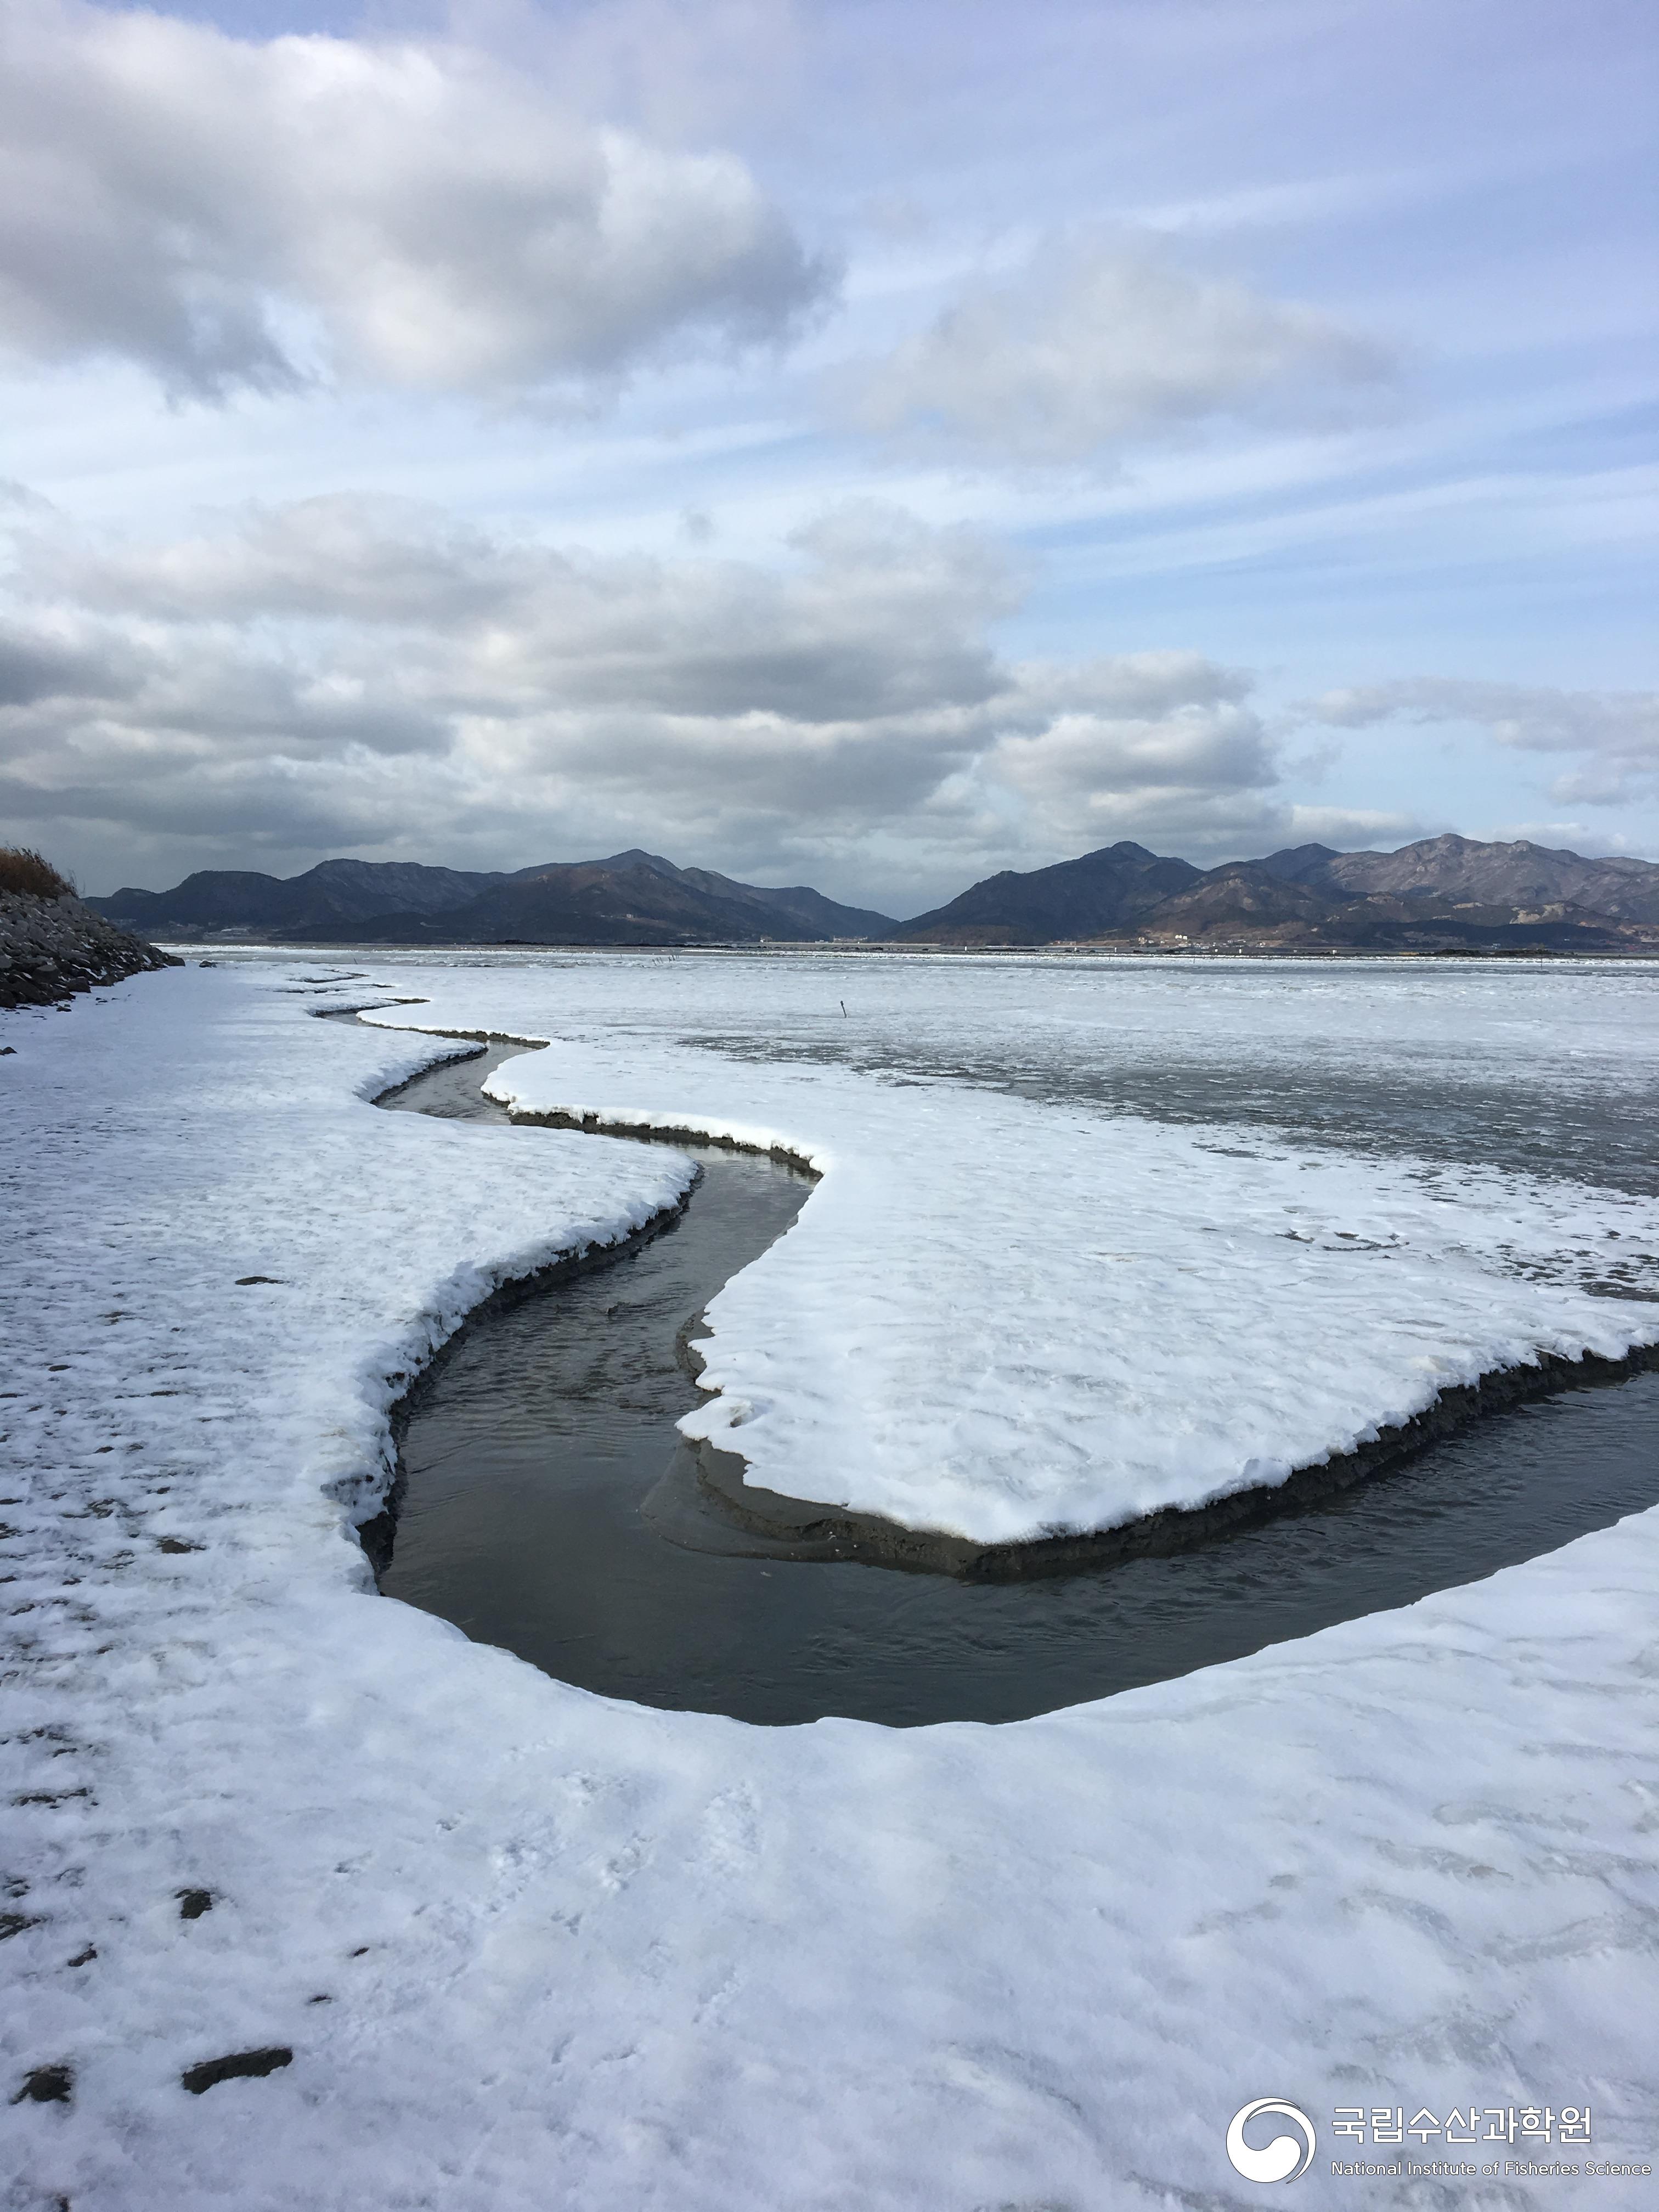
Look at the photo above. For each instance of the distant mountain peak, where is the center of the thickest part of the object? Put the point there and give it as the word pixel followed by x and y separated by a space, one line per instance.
pixel 635 858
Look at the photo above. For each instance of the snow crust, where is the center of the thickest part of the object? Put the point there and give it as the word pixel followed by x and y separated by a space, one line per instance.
pixel 531 1946
pixel 1003 1319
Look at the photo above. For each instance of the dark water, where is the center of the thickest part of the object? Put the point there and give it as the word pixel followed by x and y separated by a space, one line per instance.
pixel 530 1450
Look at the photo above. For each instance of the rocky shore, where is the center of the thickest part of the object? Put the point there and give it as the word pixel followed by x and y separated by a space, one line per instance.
pixel 52 947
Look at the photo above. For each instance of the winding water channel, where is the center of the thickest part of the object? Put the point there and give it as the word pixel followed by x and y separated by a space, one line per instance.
pixel 532 1512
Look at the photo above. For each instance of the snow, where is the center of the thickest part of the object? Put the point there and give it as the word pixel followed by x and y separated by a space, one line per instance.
pixel 532 1947
pixel 1003 1319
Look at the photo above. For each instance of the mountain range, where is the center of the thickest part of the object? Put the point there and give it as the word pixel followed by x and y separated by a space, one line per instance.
pixel 632 898
pixel 1442 894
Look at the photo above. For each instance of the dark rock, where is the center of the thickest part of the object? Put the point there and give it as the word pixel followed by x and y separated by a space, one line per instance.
pixel 236 2066
pixel 51 946
pixel 47 2085
pixel 193 1903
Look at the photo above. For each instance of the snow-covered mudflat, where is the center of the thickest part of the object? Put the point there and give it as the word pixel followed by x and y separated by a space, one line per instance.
pixel 1089 1239
pixel 1005 1318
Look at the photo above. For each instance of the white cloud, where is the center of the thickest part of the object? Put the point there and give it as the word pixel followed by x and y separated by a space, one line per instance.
pixel 1584 837
pixel 226 212
pixel 1097 342
pixel 1615 733
pixel 365 674
pixel 1349 827
pixel 1200 746
pixel 1105 749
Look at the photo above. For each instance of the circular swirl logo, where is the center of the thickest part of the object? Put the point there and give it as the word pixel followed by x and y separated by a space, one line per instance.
pixel 1284 2158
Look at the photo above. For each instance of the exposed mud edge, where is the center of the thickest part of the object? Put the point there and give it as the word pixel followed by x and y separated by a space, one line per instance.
pixel 591 1122
pixel 472 1036
pixel 597 1124
pixel 379 1534
pixel 817 1531
pixel 479 1040
pixel 444 1059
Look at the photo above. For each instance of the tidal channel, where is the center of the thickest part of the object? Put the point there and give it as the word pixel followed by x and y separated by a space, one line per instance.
pixel 530 1449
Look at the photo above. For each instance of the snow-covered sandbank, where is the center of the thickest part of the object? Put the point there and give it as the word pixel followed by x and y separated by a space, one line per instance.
pixel 529 1947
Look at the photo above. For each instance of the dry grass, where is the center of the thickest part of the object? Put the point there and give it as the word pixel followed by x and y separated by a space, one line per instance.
pixel 23 869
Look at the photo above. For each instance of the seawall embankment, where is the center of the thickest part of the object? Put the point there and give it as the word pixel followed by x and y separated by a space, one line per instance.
pixel 51 948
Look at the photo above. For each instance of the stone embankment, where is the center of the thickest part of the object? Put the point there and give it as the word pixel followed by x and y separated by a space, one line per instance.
pixel 51 947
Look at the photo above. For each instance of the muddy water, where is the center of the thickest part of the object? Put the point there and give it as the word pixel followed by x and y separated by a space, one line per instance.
pixel 532 1450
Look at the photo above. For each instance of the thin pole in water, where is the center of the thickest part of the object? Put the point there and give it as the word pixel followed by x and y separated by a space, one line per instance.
pixel 843 1010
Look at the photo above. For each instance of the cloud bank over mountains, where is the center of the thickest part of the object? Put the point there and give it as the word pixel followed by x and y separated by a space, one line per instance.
pixel 464 444
pixel 346 671
pixel 354 672
pixel 1615 734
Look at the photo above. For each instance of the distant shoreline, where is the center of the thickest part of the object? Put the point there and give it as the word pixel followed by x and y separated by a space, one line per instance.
pixel 244 941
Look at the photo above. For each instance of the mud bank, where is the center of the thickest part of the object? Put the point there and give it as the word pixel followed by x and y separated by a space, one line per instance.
pixel 813 1531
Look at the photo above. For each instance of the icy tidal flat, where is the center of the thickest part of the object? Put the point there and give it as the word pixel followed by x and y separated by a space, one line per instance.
pixel 526 1945
pixel 1006 1318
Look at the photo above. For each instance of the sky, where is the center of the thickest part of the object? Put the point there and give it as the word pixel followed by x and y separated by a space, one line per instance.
pixel 830 442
